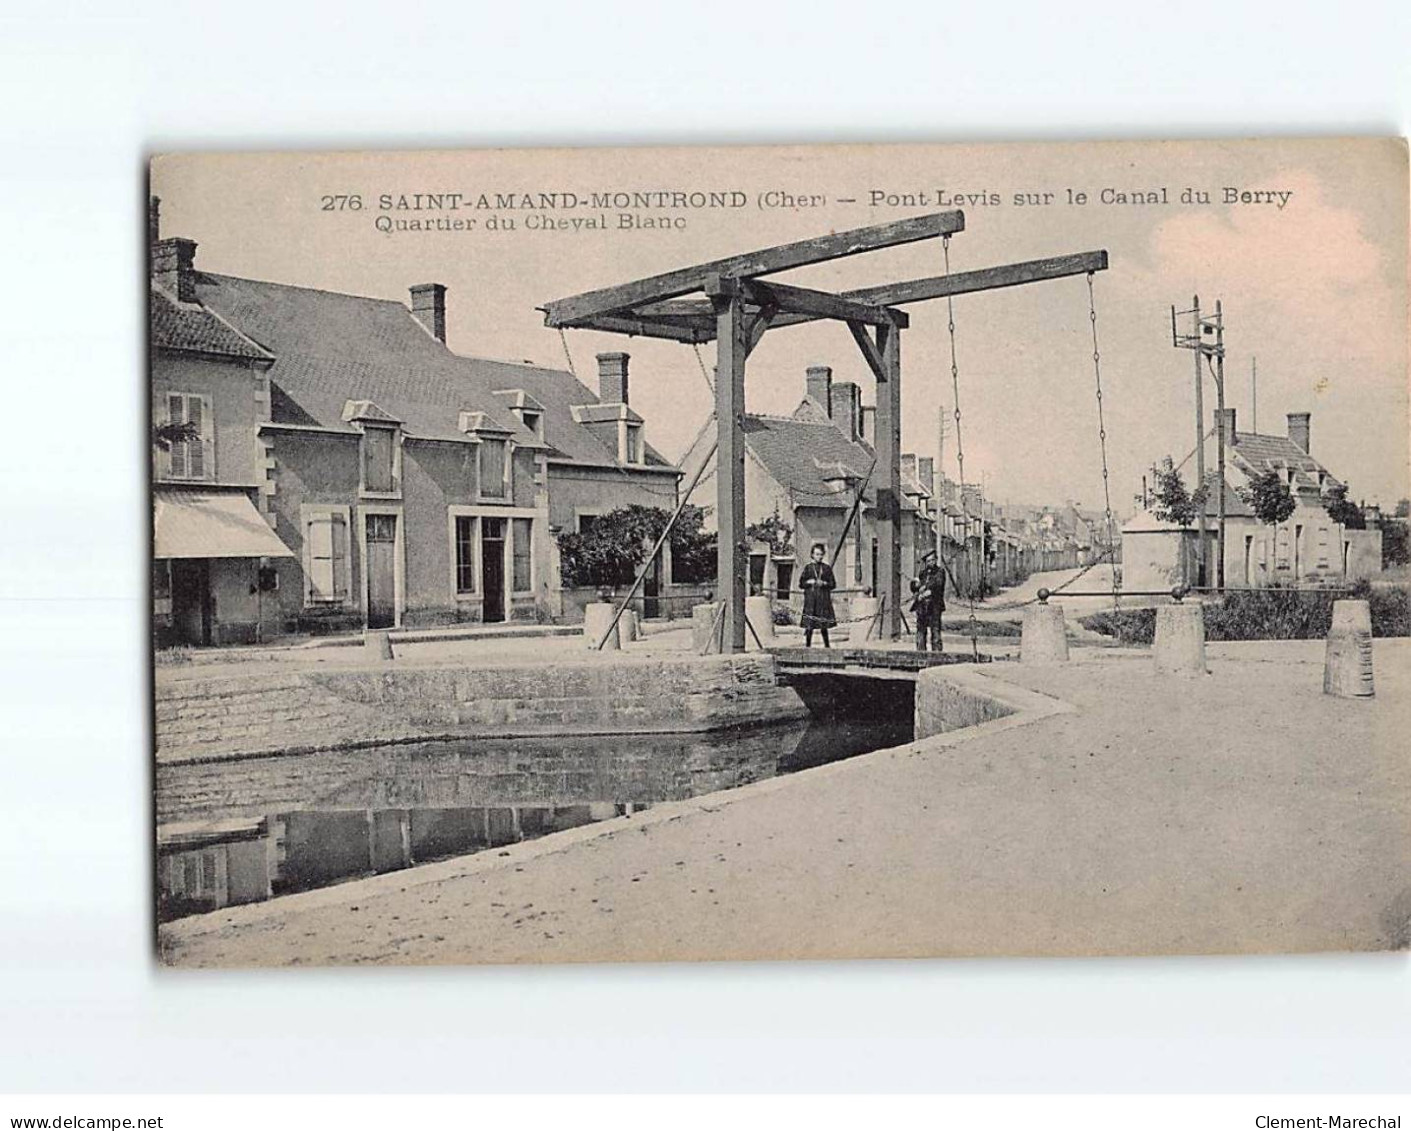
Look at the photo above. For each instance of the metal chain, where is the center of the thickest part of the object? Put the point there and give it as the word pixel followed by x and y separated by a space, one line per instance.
pixel 1102 445
pixel 960 451
pixel 704 371
pixel 563 339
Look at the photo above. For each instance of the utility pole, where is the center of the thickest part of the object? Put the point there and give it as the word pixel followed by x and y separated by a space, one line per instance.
pixel 1196 342
pixel 1254 394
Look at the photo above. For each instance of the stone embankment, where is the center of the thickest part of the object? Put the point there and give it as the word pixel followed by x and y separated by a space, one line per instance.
pixel 234 716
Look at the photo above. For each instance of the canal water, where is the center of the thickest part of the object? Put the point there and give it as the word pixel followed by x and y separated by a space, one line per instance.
pixel 255 829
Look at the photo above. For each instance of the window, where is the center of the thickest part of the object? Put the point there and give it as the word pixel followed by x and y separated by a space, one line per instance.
pixel 379 448
pixel 522 535
pixel 494 470
pixel 326 551
pixel 534 421
pixel 465 554
pixel 190 459
pixel 635 452
pixel 585 522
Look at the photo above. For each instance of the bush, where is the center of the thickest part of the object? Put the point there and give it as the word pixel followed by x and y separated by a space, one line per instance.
pixel 782 615
pixel 1134 626
pixel 1275 613
pixel 982 627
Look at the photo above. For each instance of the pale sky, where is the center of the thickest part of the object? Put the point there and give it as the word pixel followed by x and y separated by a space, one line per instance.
pixel 1316 289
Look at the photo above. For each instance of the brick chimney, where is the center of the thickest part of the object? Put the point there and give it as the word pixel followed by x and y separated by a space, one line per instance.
pixel 429 308
pixel 818 384
pixel 174 267
pixel 1298 428
pixel 154 222
pixel 847 409
pixel 612 377
pixel 926 470
pixel 1226 425
pixel 869 424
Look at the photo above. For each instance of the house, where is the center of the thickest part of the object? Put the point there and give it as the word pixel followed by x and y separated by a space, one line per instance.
pixel 810 468
pixel 1307 548
pixel 397 482
pixel 214 546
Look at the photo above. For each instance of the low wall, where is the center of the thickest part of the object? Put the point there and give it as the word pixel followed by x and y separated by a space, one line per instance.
pixel 944 703
pixel 237 716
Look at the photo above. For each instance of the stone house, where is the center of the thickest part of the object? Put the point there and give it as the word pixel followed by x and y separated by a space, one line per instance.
pixel 808 468
pixel 399 483
pixel 1307 548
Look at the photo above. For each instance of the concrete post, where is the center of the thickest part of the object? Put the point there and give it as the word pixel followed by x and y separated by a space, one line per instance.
pixel 377 643
pixel 1347 660
pixel 596 618
pixel 862 611
pixel 1180 640
pixel 628 629
pixel 1044 640
pixel 760 613
pixel 706 632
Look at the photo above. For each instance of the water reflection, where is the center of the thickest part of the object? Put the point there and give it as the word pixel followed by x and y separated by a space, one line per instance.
pixel 239 832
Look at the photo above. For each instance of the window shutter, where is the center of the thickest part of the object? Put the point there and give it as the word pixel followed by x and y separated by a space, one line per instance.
pixel 338 530
pixel 176 451
pixel 196 448
pixel 321 587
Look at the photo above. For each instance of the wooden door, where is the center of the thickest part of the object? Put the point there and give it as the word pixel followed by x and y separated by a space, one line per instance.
pixel 492 568
pixel 191 612
pixel 381 570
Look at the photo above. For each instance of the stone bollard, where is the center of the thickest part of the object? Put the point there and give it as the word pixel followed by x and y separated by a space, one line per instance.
pixel 377 643
pixel 628 630
pixel 596 618
pixel 1347 660
pixel 862 611
pixel 706 628
pixel 1044 640
pixel 760 613
pixel 1179 648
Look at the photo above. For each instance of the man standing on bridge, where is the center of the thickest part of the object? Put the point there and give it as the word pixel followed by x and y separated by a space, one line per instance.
pixel 929 602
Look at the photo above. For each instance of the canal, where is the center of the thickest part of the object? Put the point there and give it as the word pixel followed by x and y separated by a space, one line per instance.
pixel 247 830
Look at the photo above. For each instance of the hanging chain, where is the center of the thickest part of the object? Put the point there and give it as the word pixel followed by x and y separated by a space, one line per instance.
pixel 1102 445
pixel 960 455
pixel 563 339
pixel 705 373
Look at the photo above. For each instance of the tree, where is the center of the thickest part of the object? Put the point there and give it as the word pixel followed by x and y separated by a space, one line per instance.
pixel 611 551
pixel 1346 514
pixel 1403 508
pixel 773 531
pixel 1269 497
pixel 1171 502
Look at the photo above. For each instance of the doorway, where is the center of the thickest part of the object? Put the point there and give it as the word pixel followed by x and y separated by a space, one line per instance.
pixel 381 570
pixel 651 591
pixel 492 568
pixel 191 604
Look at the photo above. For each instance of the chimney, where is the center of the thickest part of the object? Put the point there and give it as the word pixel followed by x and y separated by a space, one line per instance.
pixel 1226 425
pixel 926 469
pixel 429 308
pixel 818 384
pixel 847 409
pixel 612 377
pixel 1298 428
pixel 154 222
pixel 174 267
pixel 869 425
pixel 908 465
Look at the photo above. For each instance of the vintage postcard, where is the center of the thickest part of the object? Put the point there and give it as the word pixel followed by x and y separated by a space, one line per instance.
pixel 780 553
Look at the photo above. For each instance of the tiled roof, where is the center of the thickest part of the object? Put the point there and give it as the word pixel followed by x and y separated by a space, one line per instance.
pixel 330 348
pixel 192 328
pixel 1259 453
pixel 800 454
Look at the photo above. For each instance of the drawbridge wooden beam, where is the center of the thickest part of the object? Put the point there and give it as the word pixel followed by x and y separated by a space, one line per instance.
pixel 920 290
pixel 578 309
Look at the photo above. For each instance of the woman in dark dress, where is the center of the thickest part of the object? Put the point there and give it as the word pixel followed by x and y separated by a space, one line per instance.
pixel 818 584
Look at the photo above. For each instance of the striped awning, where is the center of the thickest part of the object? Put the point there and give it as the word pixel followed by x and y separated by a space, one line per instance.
pixel 212 524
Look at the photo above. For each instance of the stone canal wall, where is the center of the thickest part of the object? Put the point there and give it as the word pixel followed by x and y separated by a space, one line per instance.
pixel 235 716
pixel 948 699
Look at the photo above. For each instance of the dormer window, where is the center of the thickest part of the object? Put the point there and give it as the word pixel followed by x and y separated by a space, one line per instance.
pixel 633 446
pixel 533 421
pixel 379 451
pixel 494 459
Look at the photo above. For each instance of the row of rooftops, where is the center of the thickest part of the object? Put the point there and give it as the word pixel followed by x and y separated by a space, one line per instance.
pixel 335 360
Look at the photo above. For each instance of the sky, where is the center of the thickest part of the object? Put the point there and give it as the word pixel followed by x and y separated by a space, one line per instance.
pixel 1310 268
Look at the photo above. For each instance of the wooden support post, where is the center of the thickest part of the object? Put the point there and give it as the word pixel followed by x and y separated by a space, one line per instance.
pixel 732 560
pixel 888 481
